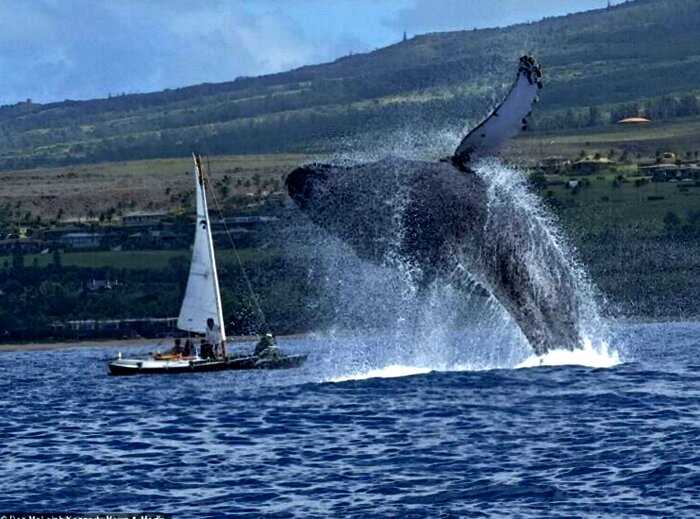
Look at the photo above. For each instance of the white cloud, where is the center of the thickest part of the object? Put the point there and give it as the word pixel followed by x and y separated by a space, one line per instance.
pixel 425 16
pixel 79 49
pixel 84 49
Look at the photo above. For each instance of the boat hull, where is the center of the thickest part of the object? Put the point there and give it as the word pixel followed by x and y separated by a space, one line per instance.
pixel 149 366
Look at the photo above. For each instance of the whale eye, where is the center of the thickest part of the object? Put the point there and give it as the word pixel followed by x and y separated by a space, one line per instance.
pixel 303 182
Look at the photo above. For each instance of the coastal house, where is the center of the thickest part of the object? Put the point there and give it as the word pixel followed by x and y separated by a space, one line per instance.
pixel 671 172
pixel 691 171
pixel 634 121
pixel 97 285
pixel 163 238
pixel 79 240
pixel 21 246
pixel 246 221
pixel 144 218
pixel 118 328
pixel 79 220
pixel 553 165
pixel 592 166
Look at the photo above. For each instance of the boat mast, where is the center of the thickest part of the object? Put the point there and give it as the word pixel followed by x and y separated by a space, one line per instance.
pixel 210 242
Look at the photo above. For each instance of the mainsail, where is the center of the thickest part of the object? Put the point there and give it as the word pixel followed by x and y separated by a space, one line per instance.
pixel 202 297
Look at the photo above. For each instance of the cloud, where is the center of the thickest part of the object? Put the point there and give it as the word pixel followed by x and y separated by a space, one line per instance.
pixel 80 49
pixel 55 49
pixel 424 16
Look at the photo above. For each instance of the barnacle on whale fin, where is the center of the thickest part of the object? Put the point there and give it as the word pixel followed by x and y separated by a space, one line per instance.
pixel 531 69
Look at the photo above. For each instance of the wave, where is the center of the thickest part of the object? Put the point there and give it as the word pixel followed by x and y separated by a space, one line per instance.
pixel 592 356
pixel 392 371
pixel 601 356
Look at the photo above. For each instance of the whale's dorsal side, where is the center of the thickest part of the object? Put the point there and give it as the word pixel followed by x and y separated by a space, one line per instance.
pixel 509 117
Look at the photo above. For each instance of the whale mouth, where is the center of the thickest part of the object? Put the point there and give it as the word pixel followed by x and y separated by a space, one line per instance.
pixel 304 182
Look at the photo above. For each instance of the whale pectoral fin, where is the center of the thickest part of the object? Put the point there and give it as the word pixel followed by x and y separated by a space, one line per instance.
pixel 508 119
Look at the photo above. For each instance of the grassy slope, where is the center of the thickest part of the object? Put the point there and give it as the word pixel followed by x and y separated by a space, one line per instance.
pixel 679 135
pixel 597 208
pixel 159 184
pixel 152 260
pixel 635 51
pixel 163 184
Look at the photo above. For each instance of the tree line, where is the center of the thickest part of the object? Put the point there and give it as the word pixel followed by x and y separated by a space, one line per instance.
pixel 657 109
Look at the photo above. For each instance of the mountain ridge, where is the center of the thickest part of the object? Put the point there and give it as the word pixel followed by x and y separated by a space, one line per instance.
pixel 598 64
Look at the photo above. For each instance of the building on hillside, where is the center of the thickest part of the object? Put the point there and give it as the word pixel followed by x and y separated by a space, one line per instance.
pixel 247 221
pixel 79 220
pixel 659 172
pixel 241 237
pixel 163 238
pixel 96 285
pixel 143 218
pixel 80 240
pixel 593 166
pixel 553 165
pixel 671 172
pixel 667 157
pixel 22 246
pixel 155 327
pixel 634 121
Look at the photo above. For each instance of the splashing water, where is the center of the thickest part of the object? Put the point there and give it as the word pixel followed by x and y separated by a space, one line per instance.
pixel 600 356
pixel 406 142
pixel 547 254
pixel 392 371
pixel 509 199
pixel 449 327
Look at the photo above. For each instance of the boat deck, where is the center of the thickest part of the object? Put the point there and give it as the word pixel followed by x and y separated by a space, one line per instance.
pixel 155 366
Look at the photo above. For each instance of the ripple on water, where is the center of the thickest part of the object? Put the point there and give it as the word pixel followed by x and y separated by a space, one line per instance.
pixel 569 440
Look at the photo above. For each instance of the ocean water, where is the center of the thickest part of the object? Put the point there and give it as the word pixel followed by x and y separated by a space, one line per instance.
pixel 364 429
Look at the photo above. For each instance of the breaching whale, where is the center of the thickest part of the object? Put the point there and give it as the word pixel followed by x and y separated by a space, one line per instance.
pixel 435 217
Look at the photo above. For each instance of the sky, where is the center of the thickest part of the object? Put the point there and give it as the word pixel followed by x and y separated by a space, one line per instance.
pixel 51 50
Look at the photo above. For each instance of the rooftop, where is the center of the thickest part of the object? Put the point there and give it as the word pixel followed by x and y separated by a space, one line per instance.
pixel 634 120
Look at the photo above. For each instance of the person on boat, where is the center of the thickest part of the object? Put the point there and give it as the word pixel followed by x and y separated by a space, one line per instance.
pixel 266 346
pixel 187 350
pixel 213 337
pixel 173 353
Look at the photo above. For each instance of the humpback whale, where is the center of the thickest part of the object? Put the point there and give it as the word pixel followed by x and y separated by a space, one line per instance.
pixel 437 217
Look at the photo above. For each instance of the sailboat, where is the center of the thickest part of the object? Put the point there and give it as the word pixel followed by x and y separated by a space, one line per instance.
pixel 201 313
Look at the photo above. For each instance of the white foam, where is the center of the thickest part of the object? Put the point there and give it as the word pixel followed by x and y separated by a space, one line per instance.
pixel 601 356
pixel 598 356
pixel 392 371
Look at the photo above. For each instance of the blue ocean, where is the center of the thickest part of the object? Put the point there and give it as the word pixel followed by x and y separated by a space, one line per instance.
pixel 358 433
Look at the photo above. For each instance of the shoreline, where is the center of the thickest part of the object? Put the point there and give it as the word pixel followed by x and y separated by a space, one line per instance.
pixel 118 343
pixel 167 342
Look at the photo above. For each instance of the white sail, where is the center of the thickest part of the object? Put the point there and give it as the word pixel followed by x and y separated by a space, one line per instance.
pixel 202 297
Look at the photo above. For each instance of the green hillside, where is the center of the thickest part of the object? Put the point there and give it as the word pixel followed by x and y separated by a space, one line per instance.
pixel 639 56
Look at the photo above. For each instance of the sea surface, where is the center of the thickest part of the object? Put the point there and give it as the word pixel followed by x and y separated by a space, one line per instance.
pixel 365 429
